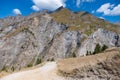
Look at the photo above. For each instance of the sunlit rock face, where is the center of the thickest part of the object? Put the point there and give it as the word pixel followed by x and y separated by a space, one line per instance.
pixel 36 37
pixel 101 37
pixel 25 40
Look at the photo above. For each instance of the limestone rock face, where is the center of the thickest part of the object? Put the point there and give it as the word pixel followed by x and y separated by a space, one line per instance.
pixel 25 40
pixel 66 44
pixel 101 37
pixel 37 37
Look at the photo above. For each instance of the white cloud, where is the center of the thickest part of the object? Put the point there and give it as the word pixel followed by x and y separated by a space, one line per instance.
pixel 116 10
pixel 102 18
pixel 16 11
pixel 81 1
pixel 34 7
pixel 78 3
pixel 105 8
pixel 47 4
pixel 88 0
pixel 109 9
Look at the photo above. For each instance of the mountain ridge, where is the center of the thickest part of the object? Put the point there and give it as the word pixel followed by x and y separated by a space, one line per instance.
pixel 40 37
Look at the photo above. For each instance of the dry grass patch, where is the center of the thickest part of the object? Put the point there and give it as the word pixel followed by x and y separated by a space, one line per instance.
pixel 70 65
pixel 84 19
pixel 18 30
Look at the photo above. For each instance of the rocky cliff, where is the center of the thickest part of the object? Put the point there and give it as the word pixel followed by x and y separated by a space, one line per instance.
pixel 100 37
pixel 36 38
pixel 27 41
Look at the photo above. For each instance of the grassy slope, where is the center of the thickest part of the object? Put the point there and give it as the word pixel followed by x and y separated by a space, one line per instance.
pixel 83 21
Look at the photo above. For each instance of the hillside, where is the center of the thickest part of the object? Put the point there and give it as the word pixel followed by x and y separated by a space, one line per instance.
pixel 102 66
pixel 43 36
pixel 83 21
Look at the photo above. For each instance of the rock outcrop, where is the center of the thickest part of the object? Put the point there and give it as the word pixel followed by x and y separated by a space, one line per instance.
pixel 37 37
pixel 26 41
pixel 101 37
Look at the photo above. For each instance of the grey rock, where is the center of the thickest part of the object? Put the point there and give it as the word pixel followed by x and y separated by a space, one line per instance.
pixel 37 37
pixel 101 37
pixel 24 40
pixel 66 44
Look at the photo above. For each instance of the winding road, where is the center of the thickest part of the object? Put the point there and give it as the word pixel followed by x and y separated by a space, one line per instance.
pixel 46 72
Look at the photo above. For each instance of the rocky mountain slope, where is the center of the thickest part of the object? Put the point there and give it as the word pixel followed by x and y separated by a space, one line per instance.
pixel 28 41
pixel 83 21
pixel 100 37
pixel 102 66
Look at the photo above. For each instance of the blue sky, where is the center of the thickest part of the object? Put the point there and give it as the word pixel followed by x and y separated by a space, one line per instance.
pixel 107 9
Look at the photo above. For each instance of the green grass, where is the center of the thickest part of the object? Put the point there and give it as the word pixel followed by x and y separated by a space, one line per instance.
pixel 38 61
pixel 77 21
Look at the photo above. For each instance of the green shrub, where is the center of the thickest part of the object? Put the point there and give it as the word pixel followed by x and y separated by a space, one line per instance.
pixel 88 53
pixel 104 48
pixel 73 54
pixel 38 61
pixel 4 68
pixel 13 68
pixel 29 65
pixel 52 59
pixel 99 49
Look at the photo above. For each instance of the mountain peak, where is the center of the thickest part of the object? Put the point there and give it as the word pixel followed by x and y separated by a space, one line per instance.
pixel 60 8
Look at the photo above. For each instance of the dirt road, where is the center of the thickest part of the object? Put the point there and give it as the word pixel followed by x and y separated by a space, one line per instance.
pixel 46 72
